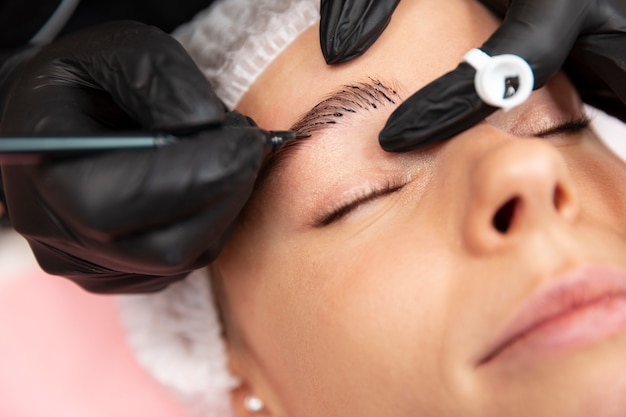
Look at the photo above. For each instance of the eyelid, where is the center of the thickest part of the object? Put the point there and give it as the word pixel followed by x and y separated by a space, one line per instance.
pixel 575 124
pixel 343 209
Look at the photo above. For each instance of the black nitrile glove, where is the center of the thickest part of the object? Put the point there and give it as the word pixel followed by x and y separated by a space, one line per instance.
pixel 125 221
pixel 591 34
pixel 349 27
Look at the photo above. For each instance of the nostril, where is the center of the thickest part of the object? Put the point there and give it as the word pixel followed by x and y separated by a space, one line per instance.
pixel 504 216
pixel 559 198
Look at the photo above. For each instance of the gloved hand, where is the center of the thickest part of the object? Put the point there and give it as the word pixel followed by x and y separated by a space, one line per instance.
pixel 125 221
pixel 589 34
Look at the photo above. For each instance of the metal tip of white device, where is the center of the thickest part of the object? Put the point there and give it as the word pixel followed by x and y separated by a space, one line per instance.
pixel 503 81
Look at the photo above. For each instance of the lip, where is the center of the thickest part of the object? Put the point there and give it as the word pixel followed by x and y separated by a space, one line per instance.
pixel 584 305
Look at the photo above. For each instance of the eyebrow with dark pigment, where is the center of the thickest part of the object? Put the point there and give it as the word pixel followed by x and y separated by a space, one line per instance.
pixel 349 100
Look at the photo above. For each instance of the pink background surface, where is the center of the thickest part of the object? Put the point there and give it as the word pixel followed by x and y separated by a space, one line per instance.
pixel 63 353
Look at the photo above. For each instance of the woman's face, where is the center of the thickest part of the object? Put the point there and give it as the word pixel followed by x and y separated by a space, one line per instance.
pixel 483 276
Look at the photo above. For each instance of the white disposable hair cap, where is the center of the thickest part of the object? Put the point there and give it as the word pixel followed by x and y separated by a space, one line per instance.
pixel 176 336
pixel 233 41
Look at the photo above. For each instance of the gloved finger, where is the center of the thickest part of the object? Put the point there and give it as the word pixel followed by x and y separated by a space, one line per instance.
pixel 349 27
pixel 541 32
pixel 95 278
pixel 450 104
pixel 168 249
pixel 189 243
pixel 447 106
pixel 121 193
pixel 597 65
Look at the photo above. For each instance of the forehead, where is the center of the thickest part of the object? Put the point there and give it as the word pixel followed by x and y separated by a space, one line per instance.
pixel 425 39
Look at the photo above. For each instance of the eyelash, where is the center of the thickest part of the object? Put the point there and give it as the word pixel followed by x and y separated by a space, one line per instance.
pixel 574 125
pixel 342 210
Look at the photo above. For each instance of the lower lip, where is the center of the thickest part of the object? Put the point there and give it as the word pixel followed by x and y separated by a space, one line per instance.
pixel 594 321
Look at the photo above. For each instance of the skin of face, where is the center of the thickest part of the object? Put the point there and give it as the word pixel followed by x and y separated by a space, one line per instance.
pixel 392 309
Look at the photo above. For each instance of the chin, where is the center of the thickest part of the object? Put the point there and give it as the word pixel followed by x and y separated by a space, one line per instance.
pixel 601 381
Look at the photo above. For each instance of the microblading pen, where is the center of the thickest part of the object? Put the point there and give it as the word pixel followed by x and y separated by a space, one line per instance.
pixel 32 149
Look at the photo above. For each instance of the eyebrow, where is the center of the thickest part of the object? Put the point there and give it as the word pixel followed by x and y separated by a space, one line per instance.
pixel 350 99
pixel 347 101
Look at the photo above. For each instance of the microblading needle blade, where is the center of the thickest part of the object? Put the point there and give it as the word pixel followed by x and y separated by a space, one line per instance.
pixel 275 139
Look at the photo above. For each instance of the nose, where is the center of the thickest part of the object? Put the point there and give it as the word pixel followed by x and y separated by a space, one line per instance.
pixel 517 188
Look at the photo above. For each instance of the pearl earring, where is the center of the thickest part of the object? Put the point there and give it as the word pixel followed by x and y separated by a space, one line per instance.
pixel 253 404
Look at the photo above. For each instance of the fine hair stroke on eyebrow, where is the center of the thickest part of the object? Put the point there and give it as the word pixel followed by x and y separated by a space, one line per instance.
pixel 350 99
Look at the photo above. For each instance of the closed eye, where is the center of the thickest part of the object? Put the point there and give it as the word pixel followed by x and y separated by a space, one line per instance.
pixel 571 126
pixel 342 210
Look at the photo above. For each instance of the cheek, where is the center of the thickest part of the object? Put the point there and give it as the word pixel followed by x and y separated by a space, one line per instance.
pixel 345 312
pixel 599 177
